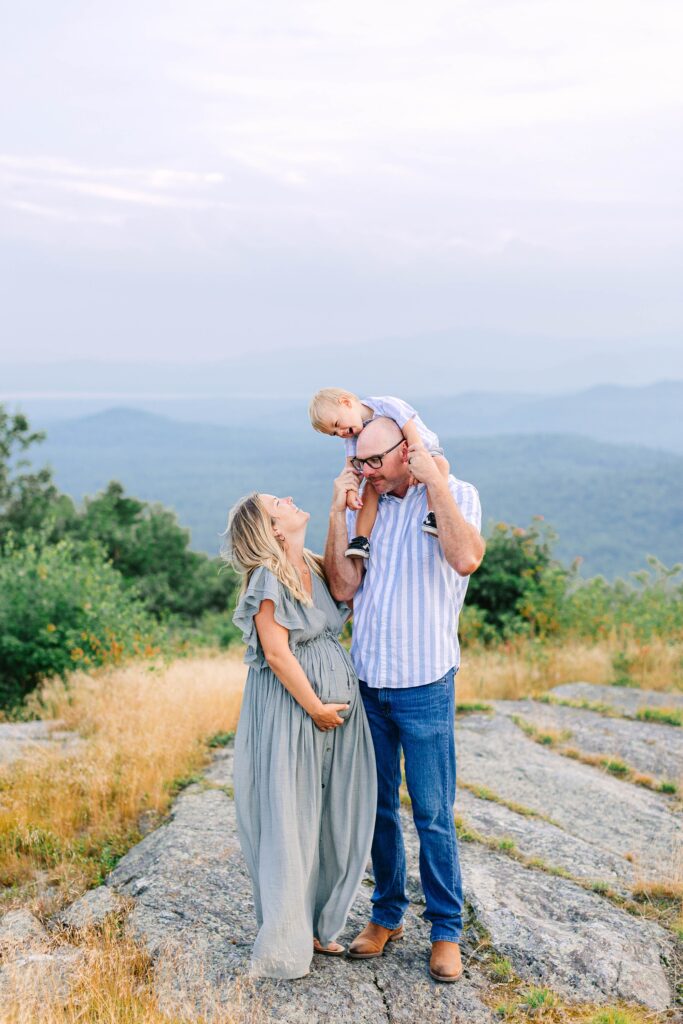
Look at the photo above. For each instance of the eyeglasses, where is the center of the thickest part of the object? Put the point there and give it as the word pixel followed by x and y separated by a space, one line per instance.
pixel 373 461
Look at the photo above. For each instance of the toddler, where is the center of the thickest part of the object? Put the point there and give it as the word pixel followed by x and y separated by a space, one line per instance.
pixel 342 414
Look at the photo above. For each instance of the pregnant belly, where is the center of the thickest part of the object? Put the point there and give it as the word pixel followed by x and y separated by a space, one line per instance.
pixel 329 670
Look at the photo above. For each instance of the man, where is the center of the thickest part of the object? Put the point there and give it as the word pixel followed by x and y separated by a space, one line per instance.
pixel 405 650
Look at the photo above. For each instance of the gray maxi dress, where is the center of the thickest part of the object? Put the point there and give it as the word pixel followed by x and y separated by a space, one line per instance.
pixel 305 799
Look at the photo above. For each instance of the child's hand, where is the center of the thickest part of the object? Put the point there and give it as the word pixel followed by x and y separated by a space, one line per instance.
pixel 346 483
pixel 353 501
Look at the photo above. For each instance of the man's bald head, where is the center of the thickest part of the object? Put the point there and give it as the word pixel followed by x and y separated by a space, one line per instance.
pixel 378 437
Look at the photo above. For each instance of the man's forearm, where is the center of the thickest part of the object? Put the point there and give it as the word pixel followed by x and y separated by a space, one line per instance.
pixel 343 574
pixel 461 542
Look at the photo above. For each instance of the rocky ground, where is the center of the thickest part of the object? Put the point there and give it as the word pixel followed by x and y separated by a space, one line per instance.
pixel 552 851
pixel 17 738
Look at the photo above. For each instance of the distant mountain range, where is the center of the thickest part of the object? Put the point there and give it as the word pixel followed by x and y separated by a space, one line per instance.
pixel 649 415
pixel 612 504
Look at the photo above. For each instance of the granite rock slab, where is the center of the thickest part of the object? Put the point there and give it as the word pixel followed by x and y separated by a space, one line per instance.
pixel 651 748
pixel 21 931
pixel 613 815
pixel 20 738
pixel 558 935
pixel 193 911
pixel 536 838
pixel 625 699
pixel 90 910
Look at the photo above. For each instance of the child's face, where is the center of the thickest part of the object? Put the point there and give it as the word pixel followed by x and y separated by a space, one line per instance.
pixel 346 419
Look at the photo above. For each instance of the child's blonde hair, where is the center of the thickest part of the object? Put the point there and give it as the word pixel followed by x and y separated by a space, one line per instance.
pixel 251 543
pixel 325 402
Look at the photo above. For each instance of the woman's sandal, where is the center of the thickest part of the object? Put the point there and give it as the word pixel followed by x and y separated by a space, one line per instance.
pixel 326 951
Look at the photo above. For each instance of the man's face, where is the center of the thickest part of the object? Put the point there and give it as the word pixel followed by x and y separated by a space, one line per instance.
pixel 393 474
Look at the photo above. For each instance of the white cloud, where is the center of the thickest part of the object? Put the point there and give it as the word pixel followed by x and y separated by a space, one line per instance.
pixel 434 140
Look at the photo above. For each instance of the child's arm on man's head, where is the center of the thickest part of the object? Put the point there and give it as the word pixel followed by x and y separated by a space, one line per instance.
pixel 411 432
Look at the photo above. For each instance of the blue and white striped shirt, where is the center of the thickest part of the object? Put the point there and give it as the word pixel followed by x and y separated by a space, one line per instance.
pixel 405 612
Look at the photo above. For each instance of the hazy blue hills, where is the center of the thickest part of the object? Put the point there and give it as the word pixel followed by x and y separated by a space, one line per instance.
pixel 648 415
pixel 611 504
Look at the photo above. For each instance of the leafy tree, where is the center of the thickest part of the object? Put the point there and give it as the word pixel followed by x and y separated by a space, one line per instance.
pixel 29 499
pixel 148 547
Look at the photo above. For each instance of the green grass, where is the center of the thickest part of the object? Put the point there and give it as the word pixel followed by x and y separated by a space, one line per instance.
pixel 484 793
pixel 583 705
pixel 220 739
pixel 664 716
pixel 667 787
pixel 501 970
pixel 469 707
pixel 183 781
pixel 539 999
pixel 547 738
pixel 615 766
pixel 611 1017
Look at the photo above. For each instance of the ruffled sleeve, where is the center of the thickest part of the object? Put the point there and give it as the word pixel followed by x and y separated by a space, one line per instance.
pixel 263 586
pixel 344 613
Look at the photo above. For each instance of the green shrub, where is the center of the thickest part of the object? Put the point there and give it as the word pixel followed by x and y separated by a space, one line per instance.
pixel 62 606
pixel 518 588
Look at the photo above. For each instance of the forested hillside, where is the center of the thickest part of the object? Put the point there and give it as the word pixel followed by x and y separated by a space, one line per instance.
pixel 611 504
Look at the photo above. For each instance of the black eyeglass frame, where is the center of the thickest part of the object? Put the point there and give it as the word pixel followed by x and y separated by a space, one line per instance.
pixel 374 461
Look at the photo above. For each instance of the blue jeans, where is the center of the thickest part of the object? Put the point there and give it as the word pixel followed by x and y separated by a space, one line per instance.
pixel 420 720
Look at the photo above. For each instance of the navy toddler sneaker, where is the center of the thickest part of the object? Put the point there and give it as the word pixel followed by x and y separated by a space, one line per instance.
pixel 359 547
pixel 429 524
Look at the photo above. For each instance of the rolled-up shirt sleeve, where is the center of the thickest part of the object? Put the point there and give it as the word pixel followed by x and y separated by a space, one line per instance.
pixel 467 499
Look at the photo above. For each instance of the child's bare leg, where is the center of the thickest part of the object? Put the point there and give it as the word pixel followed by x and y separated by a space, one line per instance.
pixel 359 546
pixel 365 520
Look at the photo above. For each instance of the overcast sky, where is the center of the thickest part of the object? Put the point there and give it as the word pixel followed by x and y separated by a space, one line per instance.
pixel 190 180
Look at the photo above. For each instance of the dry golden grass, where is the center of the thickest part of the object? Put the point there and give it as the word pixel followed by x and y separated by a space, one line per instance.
pixel 66 815
pixel 115 983
pixel 523 668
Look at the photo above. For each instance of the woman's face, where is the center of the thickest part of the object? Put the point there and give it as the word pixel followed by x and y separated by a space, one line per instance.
pixel 288 518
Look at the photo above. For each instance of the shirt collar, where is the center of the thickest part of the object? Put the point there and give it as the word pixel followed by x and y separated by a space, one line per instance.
pixel 418 489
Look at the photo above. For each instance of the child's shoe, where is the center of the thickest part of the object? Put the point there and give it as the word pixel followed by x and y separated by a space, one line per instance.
pixel 429 524
pixel 359 547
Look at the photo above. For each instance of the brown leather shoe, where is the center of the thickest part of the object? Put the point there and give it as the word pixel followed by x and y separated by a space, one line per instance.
pixel 372 940
pixel 445 963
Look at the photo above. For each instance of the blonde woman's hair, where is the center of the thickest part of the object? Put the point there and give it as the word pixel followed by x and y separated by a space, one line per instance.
pixel 251 542
pixel 325 402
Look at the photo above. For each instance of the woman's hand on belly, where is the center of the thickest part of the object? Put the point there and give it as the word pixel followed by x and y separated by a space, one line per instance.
pixel 327 717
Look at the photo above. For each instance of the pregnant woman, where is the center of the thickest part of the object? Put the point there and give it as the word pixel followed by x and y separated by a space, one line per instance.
pixel 305 777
